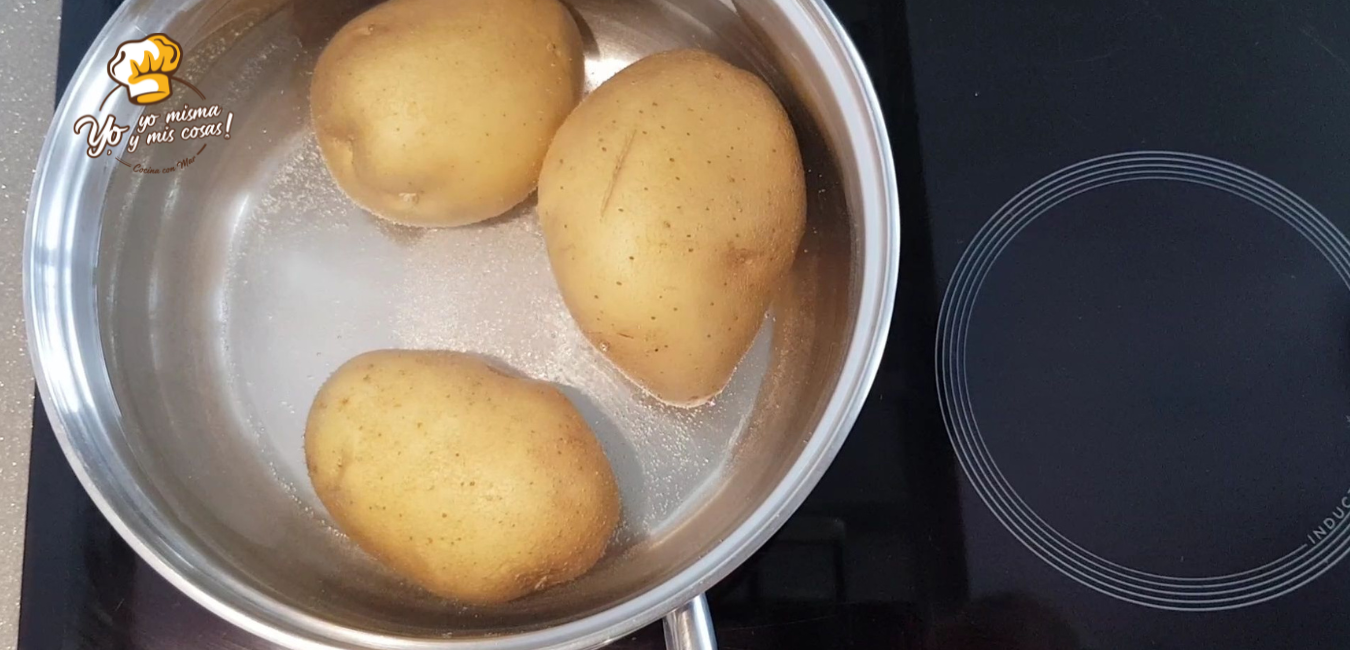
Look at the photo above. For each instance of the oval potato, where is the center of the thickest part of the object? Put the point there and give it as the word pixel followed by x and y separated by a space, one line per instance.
pixel 439 112
pixel 479 486
pixel 673 201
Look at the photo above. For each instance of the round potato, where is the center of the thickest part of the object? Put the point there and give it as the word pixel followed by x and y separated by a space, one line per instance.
pixel 439 112
pixel 672 202
pixel 479 486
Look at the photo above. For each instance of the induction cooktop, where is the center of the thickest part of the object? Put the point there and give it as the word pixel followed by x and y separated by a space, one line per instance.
pixel 1114 411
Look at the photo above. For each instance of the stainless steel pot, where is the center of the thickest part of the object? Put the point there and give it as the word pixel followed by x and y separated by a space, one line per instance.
pixel 180 323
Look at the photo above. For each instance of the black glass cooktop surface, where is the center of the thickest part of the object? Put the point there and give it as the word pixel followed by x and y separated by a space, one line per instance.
pixel 1114 412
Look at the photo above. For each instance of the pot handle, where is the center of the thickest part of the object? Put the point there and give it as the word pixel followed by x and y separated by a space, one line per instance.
pixel 690 627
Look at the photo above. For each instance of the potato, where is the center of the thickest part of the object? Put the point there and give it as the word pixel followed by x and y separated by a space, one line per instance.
pixel 672 202
pixel 479 486
pixel 439 112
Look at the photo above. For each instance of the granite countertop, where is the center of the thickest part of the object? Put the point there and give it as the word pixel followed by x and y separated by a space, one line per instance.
pixel 28 39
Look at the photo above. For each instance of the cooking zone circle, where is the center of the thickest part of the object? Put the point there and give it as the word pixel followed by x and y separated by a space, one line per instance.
pixel 1329 539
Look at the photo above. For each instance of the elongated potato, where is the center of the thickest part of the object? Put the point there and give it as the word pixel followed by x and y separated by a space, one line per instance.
pixel 439 112
pixel 477 485
pixel 673 201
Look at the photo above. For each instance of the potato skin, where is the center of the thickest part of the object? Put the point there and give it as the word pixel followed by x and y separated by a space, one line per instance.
pixel 479 486
pixel 673 201
pixel 439 112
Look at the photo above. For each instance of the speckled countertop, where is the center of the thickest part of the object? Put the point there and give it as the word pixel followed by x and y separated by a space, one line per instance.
pixel 28 38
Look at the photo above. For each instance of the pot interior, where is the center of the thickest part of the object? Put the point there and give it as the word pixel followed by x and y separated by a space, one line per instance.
pixel 227 291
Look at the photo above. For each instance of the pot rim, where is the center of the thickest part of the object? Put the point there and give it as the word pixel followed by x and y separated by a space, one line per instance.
pixel 62 373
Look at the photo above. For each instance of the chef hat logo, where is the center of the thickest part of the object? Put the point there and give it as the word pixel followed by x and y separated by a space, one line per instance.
pixel 144 67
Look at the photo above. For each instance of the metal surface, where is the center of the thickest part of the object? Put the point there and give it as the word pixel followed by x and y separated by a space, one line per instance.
pixel 27 68
pixel 690 627
pixel 177 369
